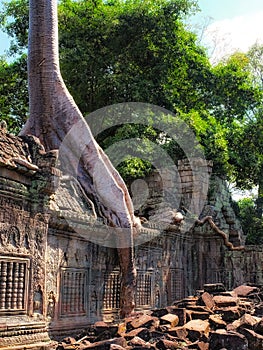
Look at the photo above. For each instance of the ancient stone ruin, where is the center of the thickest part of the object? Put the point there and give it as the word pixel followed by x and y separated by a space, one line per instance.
pixel 55 280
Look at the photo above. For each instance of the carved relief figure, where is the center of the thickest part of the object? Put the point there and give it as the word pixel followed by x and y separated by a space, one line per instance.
pixel 38 301
pixel 51 305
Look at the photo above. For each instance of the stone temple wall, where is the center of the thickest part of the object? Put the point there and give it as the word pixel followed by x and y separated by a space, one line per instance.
pixel 55 278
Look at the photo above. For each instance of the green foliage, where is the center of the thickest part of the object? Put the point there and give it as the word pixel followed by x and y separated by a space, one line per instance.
pixel 15 22
pixel 251 224
pixel 133 51
pixel 139 50
pixel 14 93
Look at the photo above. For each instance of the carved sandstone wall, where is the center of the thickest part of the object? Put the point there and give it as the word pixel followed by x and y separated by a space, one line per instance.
pixel 55 278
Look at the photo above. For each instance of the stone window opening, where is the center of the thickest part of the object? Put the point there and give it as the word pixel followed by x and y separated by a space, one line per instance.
pixel 14 277
pixel 111 292
pixel 144 289
pixel 73 292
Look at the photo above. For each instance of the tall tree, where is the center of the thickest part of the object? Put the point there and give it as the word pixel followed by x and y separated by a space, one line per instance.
pixel 52 117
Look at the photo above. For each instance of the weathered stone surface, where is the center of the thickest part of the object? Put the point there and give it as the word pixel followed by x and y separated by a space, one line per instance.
pixel 230 340
pixel 170 319
pixel 230 314
pixel 137 341
pixel 143 321
pixel 116 347
pixel 197 328
pixel 142 333
pixel 255 341
pixel 244 291
pixel 216 322
pixel 105 344
pixel 179 332
pixel 164 344
pixel 207 300
pixel 246 321
pixel 180 312
pixel 203 346
pixel 225 301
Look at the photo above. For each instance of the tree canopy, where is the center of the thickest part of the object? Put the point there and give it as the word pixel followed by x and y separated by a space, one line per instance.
pixel 120 51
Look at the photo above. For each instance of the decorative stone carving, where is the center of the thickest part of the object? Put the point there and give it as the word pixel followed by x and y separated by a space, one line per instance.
pixel 38 301
pixel 51 303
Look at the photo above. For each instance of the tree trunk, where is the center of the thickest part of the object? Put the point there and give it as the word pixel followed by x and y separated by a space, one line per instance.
pixel 54 114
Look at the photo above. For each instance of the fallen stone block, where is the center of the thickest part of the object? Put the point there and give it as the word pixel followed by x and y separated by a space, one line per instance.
pixel 207 300
pixel 164 344
pixel 180 312
pixel 69 340
pixel 170 319
pixel 145 321
pixel 246 321
pixel 255 340
pixel 229 314
pixel 216 322
pixel 137 341
pixel 179 332
pixel 203 346
pixel 116 347
pixel 142 333
pixel 244 291
pixel 229 340
pixel 225 301
pixel 196 329
pixel 105 344
pixel 121 329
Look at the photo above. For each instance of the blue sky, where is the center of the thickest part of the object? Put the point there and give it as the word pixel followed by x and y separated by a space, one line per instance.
pixel 232 25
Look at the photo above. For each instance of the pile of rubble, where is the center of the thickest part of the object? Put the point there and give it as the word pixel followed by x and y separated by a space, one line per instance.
pixel 215 319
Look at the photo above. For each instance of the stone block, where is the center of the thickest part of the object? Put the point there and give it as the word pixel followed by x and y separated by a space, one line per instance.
pixel 216 322
pixel 202 345
pixel 106 344
pixel 179 332
pixel 230 314
pixel 170 319
pixel 197 328
pixel 244 291
pixel 246 321
pixel 255 340
pixel 229 340
pixel 143 321
pixel 142 333
pixel 207 300
pixel 180 312
pixel 137 341
pixel 164 344
pixel 225 301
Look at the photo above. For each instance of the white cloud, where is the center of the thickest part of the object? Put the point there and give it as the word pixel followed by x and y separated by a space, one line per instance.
pixel 229 35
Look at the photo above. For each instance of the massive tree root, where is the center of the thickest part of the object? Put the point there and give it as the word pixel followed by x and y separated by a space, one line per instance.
pixel 54 117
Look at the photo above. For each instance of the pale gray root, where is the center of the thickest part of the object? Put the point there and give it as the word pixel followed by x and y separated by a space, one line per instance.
pixel 54 116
